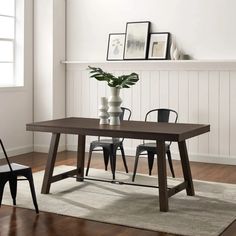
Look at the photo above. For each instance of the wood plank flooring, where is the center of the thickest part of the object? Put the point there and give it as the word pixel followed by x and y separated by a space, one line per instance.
pixel 23 222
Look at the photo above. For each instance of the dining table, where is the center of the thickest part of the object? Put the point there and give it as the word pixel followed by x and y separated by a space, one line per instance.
pixel 160 132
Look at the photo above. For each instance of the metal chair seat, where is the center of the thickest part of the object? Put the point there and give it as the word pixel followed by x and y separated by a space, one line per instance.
pixel 151 146
pixel 109 148
pixel 106 141
pixel 10 173
pixel 162 115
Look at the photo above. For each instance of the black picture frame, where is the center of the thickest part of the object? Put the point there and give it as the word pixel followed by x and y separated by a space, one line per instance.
pixel 136 40
pixel 158 46
pixel 115 47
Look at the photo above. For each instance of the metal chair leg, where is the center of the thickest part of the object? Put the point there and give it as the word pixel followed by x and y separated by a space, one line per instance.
pixel 2 185
pixel 138 152
pixel 106 154
pixel 31 183
pixel 113 160
pixel 123 157
pixel 89 158
pixel 28 175
pixel 150 161
pixel 13 188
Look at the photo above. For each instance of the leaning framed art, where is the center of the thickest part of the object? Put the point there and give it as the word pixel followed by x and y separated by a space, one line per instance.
pixel 115 49
pixel 158 46
pixel 136 40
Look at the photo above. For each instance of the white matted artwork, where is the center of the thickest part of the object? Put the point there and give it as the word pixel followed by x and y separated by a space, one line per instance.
pixel 136 40
pixel 115 49
pixel 158 46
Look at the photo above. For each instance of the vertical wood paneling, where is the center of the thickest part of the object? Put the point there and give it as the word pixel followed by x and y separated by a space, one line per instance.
pixel 174 98
pixel 85 94
pixel 214 112
pixel 94 99
pixel 144 93
pixel 183 97
pixel 198 96
pixel 174 90
pixel 85 99
pixel 127 102
pixel 164 89
pixel 193 107
pixel 154 90
pixel 232 114
pixel 101 91
pixel 69 101
pixel 69 93
pixel 77 90
pixel 136 101
pixel 78 85
pixel 203 109
pixel 224 114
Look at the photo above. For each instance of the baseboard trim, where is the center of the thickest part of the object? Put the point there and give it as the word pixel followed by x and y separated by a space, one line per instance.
pixel 17 151
pixel 223 159
pixel 45 148
pixel 130 152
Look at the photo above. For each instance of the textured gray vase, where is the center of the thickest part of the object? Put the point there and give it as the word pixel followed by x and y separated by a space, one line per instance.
pixel 114 103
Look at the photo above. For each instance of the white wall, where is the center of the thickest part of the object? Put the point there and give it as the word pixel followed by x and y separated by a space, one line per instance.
pixel 203 28
pixel 49 73
pixel 200 92
pixel 16 103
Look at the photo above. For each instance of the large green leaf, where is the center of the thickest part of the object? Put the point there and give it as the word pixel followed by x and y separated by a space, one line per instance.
pixel 123 81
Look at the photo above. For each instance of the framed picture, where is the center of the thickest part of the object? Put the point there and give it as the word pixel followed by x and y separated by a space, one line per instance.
pixel 136 40
pixel 158 46
pixel 115 49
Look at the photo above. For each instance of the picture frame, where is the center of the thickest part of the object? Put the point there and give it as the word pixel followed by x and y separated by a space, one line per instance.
pixel 136 40
pixel 115 48
pixel 158 46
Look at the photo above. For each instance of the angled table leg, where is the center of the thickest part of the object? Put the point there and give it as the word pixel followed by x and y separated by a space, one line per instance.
pixel 186 168
pixel 50 163
pixel 162 177
pixel 80 157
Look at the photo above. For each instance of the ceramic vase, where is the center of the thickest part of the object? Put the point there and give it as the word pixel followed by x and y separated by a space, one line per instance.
pixel 114 103
pixel 174 51
pixel 103 114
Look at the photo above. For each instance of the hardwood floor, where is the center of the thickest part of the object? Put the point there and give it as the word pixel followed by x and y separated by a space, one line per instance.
pixel 23 222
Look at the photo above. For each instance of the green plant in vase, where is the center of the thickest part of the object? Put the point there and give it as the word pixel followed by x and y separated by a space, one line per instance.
pixel 122 81
pixel 116 83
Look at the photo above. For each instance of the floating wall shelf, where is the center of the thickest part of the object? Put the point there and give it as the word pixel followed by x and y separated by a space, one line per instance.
pixel 160 64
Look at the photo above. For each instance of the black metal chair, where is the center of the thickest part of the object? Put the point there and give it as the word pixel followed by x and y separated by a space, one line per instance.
pixel 160 115
pixel 10 172
pixel 110 146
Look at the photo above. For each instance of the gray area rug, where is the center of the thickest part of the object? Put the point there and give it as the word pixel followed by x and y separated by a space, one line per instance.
pixel 208 213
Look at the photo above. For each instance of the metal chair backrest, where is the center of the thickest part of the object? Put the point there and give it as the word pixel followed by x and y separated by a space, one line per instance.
pixel 5 154
pixel 124 115
pixel 162 115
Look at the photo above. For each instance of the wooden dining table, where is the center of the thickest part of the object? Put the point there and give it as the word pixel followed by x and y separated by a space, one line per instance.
pixel 160 132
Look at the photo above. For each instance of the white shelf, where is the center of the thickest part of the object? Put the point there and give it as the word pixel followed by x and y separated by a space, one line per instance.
pixel 161 64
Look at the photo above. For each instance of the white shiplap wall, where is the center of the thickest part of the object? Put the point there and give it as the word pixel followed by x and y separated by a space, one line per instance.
pixel 201 92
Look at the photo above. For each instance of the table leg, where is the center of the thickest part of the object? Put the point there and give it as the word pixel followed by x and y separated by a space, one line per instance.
pixel 50 163
pixel 80 157
pixel 186 168
pixel 162 177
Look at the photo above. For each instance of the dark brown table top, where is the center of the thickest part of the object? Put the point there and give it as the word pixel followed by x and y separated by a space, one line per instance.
pixel 127 129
